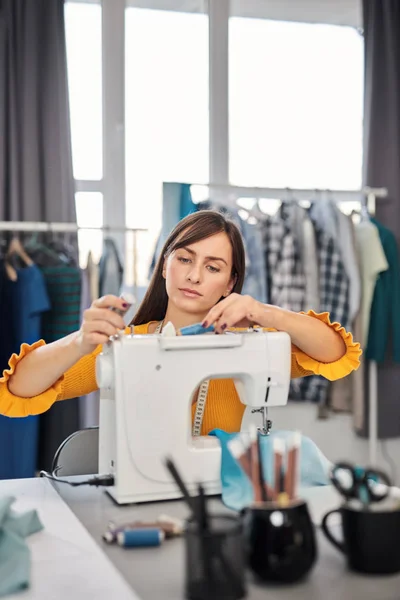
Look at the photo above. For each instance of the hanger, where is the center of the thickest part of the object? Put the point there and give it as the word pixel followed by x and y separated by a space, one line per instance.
pixel 16 248
pixel 46 253
pixel 256 211
pixel 364 214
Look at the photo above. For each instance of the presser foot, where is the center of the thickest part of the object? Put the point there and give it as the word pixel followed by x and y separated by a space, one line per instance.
pixel 266 423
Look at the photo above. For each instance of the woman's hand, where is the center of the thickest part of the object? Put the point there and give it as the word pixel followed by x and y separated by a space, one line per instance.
pixel 99 323
pixel 315 338
pixel 239 311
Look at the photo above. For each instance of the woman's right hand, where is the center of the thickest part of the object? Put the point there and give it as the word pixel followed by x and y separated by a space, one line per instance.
pixel 99 323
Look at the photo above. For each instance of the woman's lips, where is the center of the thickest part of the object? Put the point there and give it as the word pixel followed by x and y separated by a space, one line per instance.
pixel 190 293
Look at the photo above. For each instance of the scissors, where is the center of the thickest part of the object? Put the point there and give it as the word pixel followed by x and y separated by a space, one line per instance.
pixel 367 485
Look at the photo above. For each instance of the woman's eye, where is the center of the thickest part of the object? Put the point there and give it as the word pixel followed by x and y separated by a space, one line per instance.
pixel 183 259
pixel 213 269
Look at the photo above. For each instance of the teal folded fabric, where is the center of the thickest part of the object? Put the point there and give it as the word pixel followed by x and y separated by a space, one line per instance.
pixel 237 492
pixel 14 552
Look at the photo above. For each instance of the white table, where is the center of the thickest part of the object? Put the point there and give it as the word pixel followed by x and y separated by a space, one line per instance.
pixel 69 557
pixel 67 563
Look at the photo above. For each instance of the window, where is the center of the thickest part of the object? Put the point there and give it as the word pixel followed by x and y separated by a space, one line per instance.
pixel 83 37
pixel 296 114
pixel 84 64
pixel 89 213
pixel 166 113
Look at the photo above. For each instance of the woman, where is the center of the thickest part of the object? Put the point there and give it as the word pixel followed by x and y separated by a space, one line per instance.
pixel 198 277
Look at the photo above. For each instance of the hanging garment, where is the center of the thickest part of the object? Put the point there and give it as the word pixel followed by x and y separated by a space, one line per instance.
pixel 347 395
pixel 334 296
pixel 286 281
pixel 334 283
pixel 93 275
pixel 24 301
pixel 6 321
pixel 339 227
pixel 255 281
pixel 303 232
pixel 111 271
pixel 358 384
pixel 348 249
pixel 64 290
pixel 385 310
pixel 373 262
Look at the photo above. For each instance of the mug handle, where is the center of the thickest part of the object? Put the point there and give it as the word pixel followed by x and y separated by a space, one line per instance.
pixel 324 526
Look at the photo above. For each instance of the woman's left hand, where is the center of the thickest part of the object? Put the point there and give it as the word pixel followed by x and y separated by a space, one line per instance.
pixel 238 311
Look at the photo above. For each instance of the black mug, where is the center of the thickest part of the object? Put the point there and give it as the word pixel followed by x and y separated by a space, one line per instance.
pixel 281 545
pixel 370 539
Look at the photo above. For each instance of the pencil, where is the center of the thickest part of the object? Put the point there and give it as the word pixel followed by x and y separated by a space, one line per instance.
pixel 255 464
pixel 279 449
pixel 238 449
pixel 296 465
pixel 289 476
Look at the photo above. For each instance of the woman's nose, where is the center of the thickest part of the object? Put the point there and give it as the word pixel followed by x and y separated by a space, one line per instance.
pixel 194 275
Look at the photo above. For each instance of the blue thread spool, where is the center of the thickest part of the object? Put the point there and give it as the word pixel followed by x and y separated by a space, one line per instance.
pixel 138 538
pixel 196 329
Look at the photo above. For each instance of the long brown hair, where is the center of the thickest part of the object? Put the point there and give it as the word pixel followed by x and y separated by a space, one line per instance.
pixel 193 228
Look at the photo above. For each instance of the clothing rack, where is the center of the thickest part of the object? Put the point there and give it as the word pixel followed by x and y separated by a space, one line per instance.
pixel 25 226
pixel 367 197
pixel 59 227
pixel 362 195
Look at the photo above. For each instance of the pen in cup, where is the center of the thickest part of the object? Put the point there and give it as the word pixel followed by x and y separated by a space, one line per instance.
pixel 279 450
pixel 243 451
pixel 255 465
pixel 291 477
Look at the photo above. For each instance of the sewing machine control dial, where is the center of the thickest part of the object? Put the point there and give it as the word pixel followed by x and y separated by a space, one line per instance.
pixel 105 371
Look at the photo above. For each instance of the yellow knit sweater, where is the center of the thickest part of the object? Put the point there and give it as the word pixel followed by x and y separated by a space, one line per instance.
pixel 223 407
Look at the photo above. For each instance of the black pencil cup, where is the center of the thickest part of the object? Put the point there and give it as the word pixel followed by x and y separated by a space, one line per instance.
pixel 280 541
pixel 215 559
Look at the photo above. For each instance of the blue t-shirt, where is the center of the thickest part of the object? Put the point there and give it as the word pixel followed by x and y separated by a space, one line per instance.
pixel 30 300
pixel 22 304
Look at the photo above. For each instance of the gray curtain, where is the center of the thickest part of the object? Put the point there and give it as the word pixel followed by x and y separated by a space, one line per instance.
pixel 382 157
pixel 36 180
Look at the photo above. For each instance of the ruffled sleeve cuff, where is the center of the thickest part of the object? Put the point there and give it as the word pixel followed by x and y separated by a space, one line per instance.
pixel 349 362
pixel 15 406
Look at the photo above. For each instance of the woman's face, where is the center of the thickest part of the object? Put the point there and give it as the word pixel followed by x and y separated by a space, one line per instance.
pixel 198 275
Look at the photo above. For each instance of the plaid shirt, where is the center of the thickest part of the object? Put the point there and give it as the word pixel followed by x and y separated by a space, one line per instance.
pixel 286 283
pixel 334 296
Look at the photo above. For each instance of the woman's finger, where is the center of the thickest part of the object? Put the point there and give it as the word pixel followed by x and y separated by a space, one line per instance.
pixel 110 301
pixel 102 327
pixel 215 313
pixel 232 317
pixel 96 339
pixel 104 314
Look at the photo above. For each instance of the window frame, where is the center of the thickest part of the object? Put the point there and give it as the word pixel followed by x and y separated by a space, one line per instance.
pixel 112 185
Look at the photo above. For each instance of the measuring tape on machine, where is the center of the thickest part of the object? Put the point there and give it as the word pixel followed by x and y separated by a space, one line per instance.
pixel 201 398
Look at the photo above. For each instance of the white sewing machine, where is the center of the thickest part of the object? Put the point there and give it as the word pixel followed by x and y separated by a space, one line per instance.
pixel 146 386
